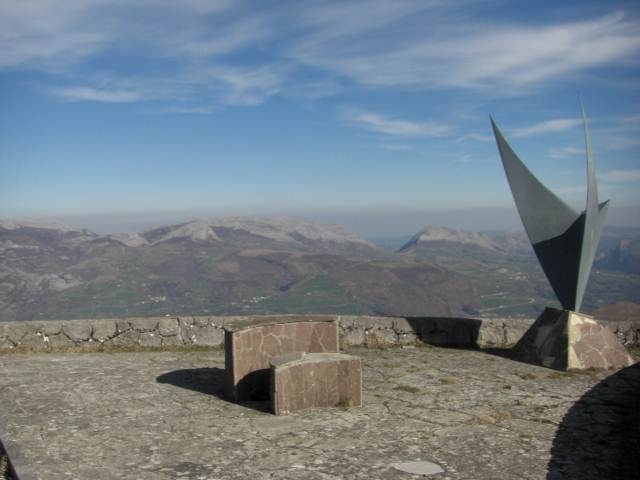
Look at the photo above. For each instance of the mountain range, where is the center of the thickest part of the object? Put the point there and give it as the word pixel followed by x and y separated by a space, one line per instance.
pixel 245 265
pixel 217 266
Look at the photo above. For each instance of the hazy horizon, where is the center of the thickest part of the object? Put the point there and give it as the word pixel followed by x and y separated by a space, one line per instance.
pixel 370 224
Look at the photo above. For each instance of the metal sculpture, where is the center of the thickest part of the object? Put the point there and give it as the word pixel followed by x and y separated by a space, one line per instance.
pixel 564 240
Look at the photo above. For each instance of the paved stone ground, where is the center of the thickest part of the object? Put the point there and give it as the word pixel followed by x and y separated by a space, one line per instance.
pixel 160 415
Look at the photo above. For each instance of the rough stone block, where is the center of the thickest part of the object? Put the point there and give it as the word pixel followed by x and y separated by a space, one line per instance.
pixel 250 346
pixel 123 325
pixel 515 328
pixel 407 338
pixel 150 339
pixel 187 332
pixel 14 331
pixel 201 321
pixel 300 381
pixel 103 329
pixel 381 338
pixel 218 321
pixel 208 335
pixel 124 339
pixel 372 323
pixel 168 327
pixel 60 341
pixel 354 337
pixel 402 325
pixel 144 324
pixel 52 327
pixel 35 341
pixel 491 334
pixel 185 321
pixel 347 321
pixel 174 341
pixel 77 330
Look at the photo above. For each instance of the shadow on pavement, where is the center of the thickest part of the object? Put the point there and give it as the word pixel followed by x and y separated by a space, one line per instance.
pixel 209 381
pixel 203 380
pixel 599 437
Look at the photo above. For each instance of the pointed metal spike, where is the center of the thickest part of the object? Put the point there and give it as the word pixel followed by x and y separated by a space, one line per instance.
pixel 564 241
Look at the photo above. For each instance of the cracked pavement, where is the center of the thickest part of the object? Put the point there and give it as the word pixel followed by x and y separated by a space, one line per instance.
pixel 161 415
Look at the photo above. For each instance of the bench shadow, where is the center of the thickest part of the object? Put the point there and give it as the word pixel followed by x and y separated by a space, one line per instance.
pixel 599 437
pixel 209 381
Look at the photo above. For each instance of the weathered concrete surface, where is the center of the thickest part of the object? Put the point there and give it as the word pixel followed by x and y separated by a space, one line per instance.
pixel 159 415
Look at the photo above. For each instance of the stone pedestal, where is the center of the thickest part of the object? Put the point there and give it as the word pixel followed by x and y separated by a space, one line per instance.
pixel 566 340
pixel 300 381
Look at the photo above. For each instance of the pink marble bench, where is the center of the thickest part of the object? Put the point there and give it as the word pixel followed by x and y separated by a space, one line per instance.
pixel 300 381
pixel 251 344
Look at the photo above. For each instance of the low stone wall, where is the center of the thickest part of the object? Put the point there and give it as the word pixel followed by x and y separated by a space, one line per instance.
pixel 369 331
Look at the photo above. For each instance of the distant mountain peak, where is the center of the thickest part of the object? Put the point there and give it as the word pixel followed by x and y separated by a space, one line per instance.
pixel 451 235
pixel 129 239
pixel 279 229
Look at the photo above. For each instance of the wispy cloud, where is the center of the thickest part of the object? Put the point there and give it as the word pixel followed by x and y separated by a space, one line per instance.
pixel 249 86
pixel 549 126
pixel 456 51
pixel 396 147
pixel 620 176
pixel 564 152
pixel 77 94
pixel 376 122
pixel 475 136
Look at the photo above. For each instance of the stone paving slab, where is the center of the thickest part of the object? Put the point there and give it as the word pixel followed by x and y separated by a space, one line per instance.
pixel 160 415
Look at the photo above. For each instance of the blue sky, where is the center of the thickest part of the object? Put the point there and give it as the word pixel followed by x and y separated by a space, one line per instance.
pixel 158 107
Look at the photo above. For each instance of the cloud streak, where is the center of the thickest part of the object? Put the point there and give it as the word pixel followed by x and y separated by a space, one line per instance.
pixel 565 152
pixel 78 94
pixel 378 123
pixel 556 125
pixel 471 53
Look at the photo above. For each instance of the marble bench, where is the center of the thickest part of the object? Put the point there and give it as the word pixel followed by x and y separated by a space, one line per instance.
pixel 307 380
pixel 251 344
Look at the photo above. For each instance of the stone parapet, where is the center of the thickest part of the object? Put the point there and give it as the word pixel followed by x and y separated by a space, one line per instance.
pixel 355 330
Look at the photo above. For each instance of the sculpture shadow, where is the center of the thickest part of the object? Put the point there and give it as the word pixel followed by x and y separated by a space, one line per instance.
pixel 452 332
pixel 7 471
pixel 209 381
pixel 599 437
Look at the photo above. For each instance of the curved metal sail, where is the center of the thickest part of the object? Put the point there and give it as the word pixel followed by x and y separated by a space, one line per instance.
pixel 564 241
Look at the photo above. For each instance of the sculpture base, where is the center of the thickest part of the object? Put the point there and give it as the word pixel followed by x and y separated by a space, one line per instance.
pixel 567 340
